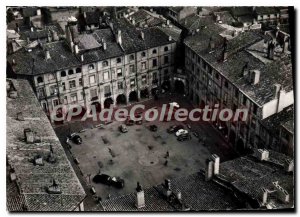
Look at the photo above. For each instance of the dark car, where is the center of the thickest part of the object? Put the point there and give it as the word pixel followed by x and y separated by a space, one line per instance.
pixel 108 180
pixel 75 138
pixel 129 122
pixel 123 128
pixel 174 128
pixel 184 137
pixel 153 128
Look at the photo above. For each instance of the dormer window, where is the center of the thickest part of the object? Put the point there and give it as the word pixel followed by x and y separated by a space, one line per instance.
pixel 166 48
pixel 154 51
pixel 63 74
pixel 78 70
pixel 40 79
pixel 119 60
pixel 143 54
pixel 70 72
pixel 91 67
pixel 131 57
pixel 104 63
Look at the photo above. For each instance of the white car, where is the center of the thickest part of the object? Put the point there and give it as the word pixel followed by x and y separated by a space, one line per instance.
pixel 181 132
pixel 174 105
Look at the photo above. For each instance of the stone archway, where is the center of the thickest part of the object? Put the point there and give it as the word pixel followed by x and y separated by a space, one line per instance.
pixel 133 96
pixel 144 93
pixel 108 102
pixel 179 87
pixel 121 99
pixel 97 106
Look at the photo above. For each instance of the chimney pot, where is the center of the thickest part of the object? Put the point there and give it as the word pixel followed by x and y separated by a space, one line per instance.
pixel 170 38
pixel 104 46
pixel 209 170
pixel 76 49
pixel 81 58
pixel 216 160
pixel 142 35
pixel 47 55
pixel 140 197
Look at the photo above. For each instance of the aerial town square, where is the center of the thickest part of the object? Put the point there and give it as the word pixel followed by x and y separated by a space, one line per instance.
pixel 157 109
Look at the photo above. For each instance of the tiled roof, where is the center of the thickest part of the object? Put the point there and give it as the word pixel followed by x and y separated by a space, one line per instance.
pixel 34 179
pixel 246 47
pixel 249 175
pixel 34 62
pixel 195 21
pixel 275 121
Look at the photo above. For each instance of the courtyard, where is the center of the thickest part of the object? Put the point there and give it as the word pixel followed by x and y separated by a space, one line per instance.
pixel 140 155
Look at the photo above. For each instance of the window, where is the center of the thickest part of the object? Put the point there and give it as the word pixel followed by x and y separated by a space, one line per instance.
pixel 198 59
pixel 144 79
pixel 107 91
pixel 94 95
pixel 226 84
pixel 78 70
pixel 217 76
pixel 105 75
pixel 55 102
pixel 132 82
pixel 63 84
pixel 254 109
pixel 225 98
pixel 80 81
pixel 119 73
pixel 72 84
pixel 104 64
pixel 244 100
pixel 120 85
pixel 51 76
pixel 131 57
pixel 166 59
pixel 74 97
pixel 166 71
pixel 143 54
pixel 91 67
pixel 131 68
pixel 63 73
pixel 65 100
pixel 166 48
pixel 119 60
pixel 40 79
pixel 143 65
pixel 154 62
pixel 236 94
pixel 41 92
pixel 154 51
pixel 53 90
pixel 92 79
pixel 70 72
pixel 154 76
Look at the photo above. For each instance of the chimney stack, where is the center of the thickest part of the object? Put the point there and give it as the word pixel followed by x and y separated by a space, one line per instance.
pixel 76 49
pixel 255 75
pixel 264 196
pixel 47 55
pixel 142 35
pixel 271 48
pixel 216 160
pixel 31 29
pixel 262 154
pixel 170 38
pixel 133 21
pixel 277 88
pixel 209 170
pixel 140 197
pixel 289 165
pixel 224 52
pixel 211 44
pixel 55 35
pixel 119 37
pixel 168 22
pixel 81 58
pixel 104 45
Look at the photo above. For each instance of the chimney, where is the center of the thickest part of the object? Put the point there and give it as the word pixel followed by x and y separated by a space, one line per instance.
pixel 81 58
pixel 133 21
pixel 47 55
pixel 217 18
pixel 285 45
pixel 264 196
pixel 55 36
pixel 140 197
pixel 119 37
pixel 211 44
pixel 216 160
pixel 261 154
pixel 281 193
pixel 277 88
pixel 49 37
pixel 170 38
pixel 142 35
pixel 29 137
pixel 209 170
pixel 104 45
pixel 224 52
pixel 255 75
pixel 289 165
pixel 38 12
pixel 76 49
pixel 168 22
pixel 31 29
pixel 271 48
pixel 167 186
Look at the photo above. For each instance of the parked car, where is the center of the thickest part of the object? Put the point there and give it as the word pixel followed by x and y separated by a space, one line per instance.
pixel 140 120
pixel 181 132
pixel 129 122
pixel 174 128
pixel 184 137
pixel 153 128
pixel 108 180
pixel 74 137
pixel 123 128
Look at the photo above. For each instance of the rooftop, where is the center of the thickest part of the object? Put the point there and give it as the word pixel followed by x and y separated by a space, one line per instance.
pixel 194 22
pixel 248 47
pixel 32 179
